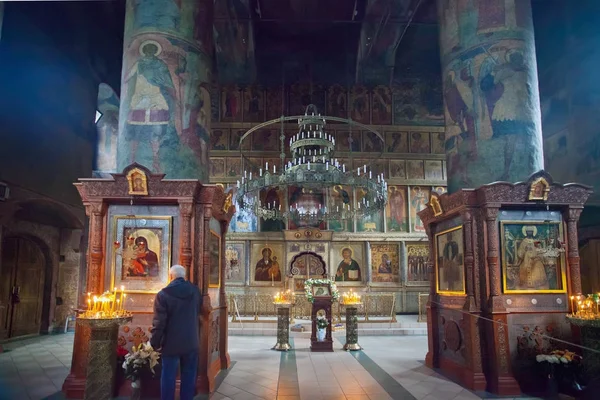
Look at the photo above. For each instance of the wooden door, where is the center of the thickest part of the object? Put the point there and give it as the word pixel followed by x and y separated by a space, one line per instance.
pixel 23 267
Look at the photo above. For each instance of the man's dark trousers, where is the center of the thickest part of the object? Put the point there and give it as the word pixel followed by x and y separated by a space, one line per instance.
pixel 189 371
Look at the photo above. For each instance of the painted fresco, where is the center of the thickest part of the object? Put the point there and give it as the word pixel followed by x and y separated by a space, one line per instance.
pixel 165 116
pixel 234 166
pixel 234 140
pixel 231 104
pixel 337 101
pixel 265 140
pixel 398 169
pixel 217 167
pixel 419 142
pixel 272 199
pixel 419 197
pixel 440 190
pixel 381 166
pixel 385 264
pixel 360 104
pixel 299 98
pixel 234 41
pixel 347 262
pixel 266 263
pixel 396 210
pixel 417 259
pixel 368 223
pixel 433 170
pixel 301 95
pixel 493 121
pixel 415 169
pixel 235 263
pixel 417 101
pixel 243 220
pixel 450 267
pixel 382 106
pixel 219 139
pixel 396 142
pixel 340 197
pixel 343 142
pixel 305 199
pixel 254 104
pixel 526 264
pixel 107 127
pixel 371 142
pixel 437 142
pixel 276 103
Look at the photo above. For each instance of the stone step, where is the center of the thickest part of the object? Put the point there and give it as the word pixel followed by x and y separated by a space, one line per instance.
pixel 404 326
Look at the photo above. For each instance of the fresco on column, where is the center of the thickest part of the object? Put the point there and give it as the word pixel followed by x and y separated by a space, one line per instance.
pixel 492 108
pixel 108 128
pixel 165 95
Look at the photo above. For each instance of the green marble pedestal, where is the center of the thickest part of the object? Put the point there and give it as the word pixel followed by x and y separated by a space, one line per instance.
pixel 351 329
pixel 102 357
pixel 283 328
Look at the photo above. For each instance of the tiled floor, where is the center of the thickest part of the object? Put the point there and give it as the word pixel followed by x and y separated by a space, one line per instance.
pixel 389 368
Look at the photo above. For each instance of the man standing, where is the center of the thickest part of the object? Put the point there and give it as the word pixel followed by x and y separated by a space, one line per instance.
pixel 175 333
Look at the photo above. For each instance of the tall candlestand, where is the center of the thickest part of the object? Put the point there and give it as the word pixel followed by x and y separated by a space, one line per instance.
pixel 102 356
pixel 352 329
pixel 590 339
pixel 283 327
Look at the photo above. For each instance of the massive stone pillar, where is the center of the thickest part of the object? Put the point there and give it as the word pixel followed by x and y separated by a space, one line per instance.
pixel 1 17
pixel 491 96
pixel 164 118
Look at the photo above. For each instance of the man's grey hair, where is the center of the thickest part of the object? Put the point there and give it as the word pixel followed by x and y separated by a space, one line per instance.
pixel 177 271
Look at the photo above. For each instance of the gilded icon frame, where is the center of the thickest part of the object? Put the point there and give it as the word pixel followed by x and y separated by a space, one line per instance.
pixel 561 276
pixel 133 177
pixel 438 236
pixel 139 223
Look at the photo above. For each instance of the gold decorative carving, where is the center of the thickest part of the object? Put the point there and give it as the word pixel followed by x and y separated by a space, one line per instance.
pixel 539 190
pixel 435 205
pixel 138 182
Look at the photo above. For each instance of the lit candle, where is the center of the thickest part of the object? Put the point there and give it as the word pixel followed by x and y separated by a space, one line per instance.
pixel 123 302
pixel 118 305
pixel 89 301
pixel 122 294
pixel 272 279
pixel 95 303
pixel 573 305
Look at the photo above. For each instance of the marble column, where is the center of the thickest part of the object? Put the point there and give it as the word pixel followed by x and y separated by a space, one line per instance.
pixel 164 117
pixel 491 96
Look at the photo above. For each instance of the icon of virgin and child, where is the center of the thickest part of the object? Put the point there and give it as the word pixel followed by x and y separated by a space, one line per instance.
pixel 267 268
pixel 138 259
pixel 348 269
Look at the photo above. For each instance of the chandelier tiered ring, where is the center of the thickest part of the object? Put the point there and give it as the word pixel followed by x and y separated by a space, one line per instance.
pixel 311 166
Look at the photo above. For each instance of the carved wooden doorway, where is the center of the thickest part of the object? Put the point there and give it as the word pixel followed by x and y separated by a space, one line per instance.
pixel 308 265
pixel 21 287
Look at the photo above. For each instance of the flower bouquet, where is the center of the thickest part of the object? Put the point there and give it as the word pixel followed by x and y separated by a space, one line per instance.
pixel 322 324
pixel 140 361
pixel 563 369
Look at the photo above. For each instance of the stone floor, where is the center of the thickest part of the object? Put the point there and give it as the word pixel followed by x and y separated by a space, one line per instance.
pixel 388 368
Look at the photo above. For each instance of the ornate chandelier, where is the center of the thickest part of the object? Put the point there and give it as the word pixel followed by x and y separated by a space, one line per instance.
pixel 311 166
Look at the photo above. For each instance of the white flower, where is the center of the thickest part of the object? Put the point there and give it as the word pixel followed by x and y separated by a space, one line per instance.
pixel 541 358
pixel 564 360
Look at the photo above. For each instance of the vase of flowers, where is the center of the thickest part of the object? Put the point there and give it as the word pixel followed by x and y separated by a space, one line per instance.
pixel 139 362
pixel 321 327
pixel 562 370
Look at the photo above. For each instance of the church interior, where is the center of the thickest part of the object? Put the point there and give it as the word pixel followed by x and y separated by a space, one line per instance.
pixel 378 199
